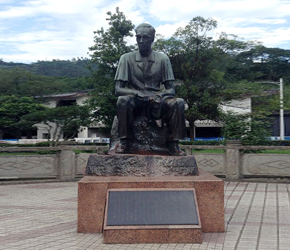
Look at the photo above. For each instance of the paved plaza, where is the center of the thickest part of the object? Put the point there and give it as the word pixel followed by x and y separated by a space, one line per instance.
pixel 44 216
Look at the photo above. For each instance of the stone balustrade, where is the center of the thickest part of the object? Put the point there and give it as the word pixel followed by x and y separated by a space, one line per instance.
pixel 65 162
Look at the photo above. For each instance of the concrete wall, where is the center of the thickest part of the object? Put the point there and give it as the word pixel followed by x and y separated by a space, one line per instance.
pixel 62 163
pixel 212 163
pixel 266 165
pixel 237 106
pixel 28 166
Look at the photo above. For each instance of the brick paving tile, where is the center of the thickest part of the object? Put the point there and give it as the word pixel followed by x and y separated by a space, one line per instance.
pixel 44 217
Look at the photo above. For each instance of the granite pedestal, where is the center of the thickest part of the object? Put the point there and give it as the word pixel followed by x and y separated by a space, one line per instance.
pixel 92 195
pixel 151 216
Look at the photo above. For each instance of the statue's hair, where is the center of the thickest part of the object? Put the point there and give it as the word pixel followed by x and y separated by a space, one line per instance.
pixel 146 25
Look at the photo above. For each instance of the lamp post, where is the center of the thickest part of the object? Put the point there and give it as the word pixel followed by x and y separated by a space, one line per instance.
pixel 282 128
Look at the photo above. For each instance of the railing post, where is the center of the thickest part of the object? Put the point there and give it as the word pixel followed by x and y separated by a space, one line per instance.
pixel 187 149
pixel 233 159
pixel 66 163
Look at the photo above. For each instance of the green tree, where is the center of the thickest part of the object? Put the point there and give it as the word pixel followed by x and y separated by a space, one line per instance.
pixel 56 77
pixel 20 82
pixel 13 111
pixel 261 63
pixel 60 68
pixel 109 46
pixel 250 129
pixel 200 63
pixel 64 121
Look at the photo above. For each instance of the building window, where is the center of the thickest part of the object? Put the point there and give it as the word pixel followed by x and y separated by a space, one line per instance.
pixel 46 136
pixel 62 103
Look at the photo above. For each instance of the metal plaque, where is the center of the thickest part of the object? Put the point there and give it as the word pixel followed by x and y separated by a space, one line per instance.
pixel 151 207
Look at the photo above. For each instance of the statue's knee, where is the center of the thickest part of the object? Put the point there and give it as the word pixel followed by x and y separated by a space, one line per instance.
pixel 180 102
pixel 123 100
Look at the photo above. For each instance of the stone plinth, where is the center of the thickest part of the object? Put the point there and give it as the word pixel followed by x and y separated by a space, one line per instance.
pixel 92 191
pixel 141 165
pixel 132 219
pixel 134 235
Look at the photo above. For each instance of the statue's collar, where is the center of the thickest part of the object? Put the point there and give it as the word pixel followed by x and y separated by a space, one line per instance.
pixel 151 57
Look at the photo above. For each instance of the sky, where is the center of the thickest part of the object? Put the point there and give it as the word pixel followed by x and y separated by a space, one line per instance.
pixel 39 30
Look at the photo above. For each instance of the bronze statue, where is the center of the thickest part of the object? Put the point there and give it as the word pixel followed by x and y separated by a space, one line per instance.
pixel 139 77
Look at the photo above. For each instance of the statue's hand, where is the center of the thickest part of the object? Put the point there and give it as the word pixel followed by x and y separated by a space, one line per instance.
pixel 163 94
pixel 145 95
pixel 157 99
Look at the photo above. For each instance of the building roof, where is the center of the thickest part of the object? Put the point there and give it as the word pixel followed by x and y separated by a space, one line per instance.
pixel 65 95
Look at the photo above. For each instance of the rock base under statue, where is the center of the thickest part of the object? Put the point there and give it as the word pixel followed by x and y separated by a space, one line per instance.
pixel 141 165
pixel 147 137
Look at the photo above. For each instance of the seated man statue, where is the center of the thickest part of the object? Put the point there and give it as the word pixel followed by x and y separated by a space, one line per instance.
pixel 138 84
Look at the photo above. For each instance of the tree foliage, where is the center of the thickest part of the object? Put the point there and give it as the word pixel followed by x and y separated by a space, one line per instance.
pixel 64 121
pixel 250 129
pixel 200 63
pixel 20 82
pixel 76 67
pixel 264 67
pixel 13 111
pixel 261 63
pixel 109 45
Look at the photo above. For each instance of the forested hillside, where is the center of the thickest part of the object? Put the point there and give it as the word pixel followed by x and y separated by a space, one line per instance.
pixel 45 77
pixel 63 68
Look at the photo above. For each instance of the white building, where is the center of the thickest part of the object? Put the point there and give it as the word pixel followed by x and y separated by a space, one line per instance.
pixel 208 128
pixel 66 99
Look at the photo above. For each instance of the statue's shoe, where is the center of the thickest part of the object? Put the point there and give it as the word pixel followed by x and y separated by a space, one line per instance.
pixel 179 152
pixel 122 149
pixel 175 149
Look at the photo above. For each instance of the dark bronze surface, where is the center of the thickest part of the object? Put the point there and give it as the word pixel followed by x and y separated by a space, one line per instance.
pixel 149 118
pixel 128 208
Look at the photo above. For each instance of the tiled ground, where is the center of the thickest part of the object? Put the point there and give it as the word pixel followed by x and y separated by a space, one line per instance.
pixel 43 216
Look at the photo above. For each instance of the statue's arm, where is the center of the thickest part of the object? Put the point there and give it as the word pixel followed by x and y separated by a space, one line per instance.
pixel 120 89
pixel 169 89
pixel 168 77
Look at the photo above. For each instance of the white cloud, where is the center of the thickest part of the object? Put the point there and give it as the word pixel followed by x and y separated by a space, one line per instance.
pixel 51 7
pixel 186 9
pixel 249 32
pixel 270 38
pixel 16 12
pixel 252 20
pixel 167 30
pixel 271 21
pixel 62 29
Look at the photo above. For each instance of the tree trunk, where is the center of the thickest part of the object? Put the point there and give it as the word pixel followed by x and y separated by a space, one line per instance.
pixel 191 130
pixel 29 134
pixel 17 134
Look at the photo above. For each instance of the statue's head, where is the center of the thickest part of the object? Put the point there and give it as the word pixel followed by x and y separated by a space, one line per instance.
pixel 145 34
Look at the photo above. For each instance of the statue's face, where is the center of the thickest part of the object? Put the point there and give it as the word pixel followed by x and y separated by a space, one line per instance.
pixel 144 40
